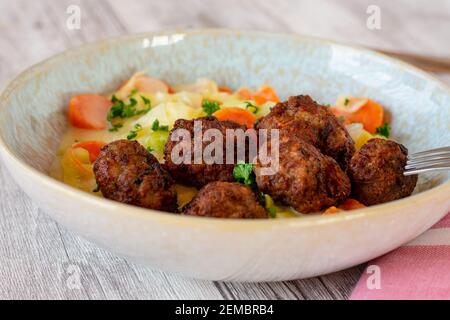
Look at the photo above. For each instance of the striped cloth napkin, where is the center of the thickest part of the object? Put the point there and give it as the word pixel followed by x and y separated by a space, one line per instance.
pixel 418 270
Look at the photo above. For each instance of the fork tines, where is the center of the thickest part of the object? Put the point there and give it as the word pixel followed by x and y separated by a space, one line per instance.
pixel 431 160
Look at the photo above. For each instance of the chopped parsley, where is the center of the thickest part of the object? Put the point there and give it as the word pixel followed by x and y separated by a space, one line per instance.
pixel 157 127
pixel 243 173
pixel 251 107
pixel 346 102
pixel 272 212
pixel 122 110
pixel 115 127
pixel 210 106
pixel 132 93
pixel 150 149
pixel 146 101
pixel 270 206
pixel 133 133
pixel 384 130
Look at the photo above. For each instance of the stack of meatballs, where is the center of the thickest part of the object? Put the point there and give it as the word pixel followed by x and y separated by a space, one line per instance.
pixel 317 168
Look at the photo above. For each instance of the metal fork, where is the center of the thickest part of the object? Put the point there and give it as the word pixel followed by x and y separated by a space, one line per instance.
pixel 431 160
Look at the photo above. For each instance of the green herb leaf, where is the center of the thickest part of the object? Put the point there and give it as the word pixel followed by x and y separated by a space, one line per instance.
pixel 150 149
pixel 116 127
pixel 251 107
pixel 133 92
pixel 122 110
pixel 157 127
pixel 146 101
pixel 384 130
pixel 346 102
pixel 272 212
pixel 210 107
pixel 243 173
pixel 133 133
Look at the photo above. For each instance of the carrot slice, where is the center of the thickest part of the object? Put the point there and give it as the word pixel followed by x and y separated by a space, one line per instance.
pixel 245 93
pixel 74 159
pixel 225 89
pixel 265 93
pixel 370 115
pixel 332 210
pixel 237 115
pixel 351 204
pixel 93 147
pixel 89 111
pixel 151 85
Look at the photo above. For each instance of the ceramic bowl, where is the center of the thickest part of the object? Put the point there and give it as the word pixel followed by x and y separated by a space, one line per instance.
pixel 32 120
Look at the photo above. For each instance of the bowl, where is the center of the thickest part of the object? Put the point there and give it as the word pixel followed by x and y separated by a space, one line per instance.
pixel 33 118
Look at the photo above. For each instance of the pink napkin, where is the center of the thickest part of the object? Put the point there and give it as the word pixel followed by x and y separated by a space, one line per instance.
pixel 418 270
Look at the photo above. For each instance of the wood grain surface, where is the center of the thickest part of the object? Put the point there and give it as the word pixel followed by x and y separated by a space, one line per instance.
pixel 39 259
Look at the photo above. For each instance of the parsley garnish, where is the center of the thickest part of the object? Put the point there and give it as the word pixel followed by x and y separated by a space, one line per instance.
pixel 150 149
pixel 210 107
pixel 251 107
pixel 243 173
pixel 157 127
pixel 384 130
pixel 133 133
pixel 146 101
pixel 272 212
pixel 132 93
pixel 123 111
pixel 346 102
pixel 115 127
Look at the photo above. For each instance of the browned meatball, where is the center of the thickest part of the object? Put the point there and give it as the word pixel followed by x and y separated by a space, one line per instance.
pixel 128 173
pixel 376 173
pixel 306 179
pixel 226 200
pixel 200 174
pixel 301 117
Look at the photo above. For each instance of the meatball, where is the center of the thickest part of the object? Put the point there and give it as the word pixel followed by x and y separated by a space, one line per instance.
pixel 126 172
pixel 202 173
pixel 226 200
pixel 301 117
pixel 376 172
pixel 306 179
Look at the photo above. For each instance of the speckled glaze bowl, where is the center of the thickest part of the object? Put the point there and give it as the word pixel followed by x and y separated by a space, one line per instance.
pixel 32 120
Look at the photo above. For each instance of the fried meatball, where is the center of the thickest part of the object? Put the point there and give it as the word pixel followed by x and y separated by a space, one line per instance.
pixel 226 200
pixel 376 172
pixel 306 179
pixel 301 117
pixel 200 174
pixel 126 172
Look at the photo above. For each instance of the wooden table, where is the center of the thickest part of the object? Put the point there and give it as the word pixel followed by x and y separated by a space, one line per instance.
pixel 39 259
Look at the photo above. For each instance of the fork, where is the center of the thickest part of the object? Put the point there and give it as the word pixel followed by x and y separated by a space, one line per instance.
pixel 430 160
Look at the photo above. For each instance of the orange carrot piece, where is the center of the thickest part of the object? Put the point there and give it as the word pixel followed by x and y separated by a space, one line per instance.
pixel 151 85
pixel 370 115
pixel 225 89
pixel 81 167
pixel 89 111
pixel 245 93
pixel 351 204
pixel 237 115
pixel 332 210
pixel 93 147
pixel 265 93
